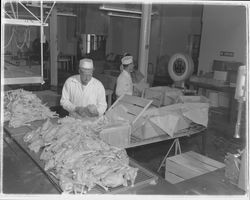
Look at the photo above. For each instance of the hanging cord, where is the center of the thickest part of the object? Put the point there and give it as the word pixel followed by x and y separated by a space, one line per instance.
pixel 24 42
pixel 12 34
pixel 28 39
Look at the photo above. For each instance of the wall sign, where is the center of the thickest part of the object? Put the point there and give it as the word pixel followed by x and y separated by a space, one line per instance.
pixel 227 53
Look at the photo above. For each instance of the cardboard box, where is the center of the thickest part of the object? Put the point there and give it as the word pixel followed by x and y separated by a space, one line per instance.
pixel 124 116
pixel 148 130
pixel 220 65
pixel 185 166
pixel 172 118
pixel 171 123
pixel 192 99
pixel 117 135
pixel 155 95
pixel 220 75
pixel 167 124
pixel 169 95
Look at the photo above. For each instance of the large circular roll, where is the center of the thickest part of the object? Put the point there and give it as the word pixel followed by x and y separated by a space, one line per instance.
pixel 180 67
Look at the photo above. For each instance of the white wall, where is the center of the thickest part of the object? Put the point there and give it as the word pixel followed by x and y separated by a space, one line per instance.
pixel 175 31
pixel 65 46
pixel 131 37
pixel 224 29
pixel 123 36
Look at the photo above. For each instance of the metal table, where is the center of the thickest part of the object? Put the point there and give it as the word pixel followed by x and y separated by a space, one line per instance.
pixel 193 129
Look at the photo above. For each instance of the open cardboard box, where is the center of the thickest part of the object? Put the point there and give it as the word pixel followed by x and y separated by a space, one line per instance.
pixel 137 119
pixel 170 119
pixel 169 95
pixel 124 115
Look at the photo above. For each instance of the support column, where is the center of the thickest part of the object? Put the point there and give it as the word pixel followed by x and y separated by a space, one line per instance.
pixel 53 49
pixel 144 39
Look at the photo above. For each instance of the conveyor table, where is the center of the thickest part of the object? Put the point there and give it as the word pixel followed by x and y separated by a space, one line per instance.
pixel 144 178
pixel 211 183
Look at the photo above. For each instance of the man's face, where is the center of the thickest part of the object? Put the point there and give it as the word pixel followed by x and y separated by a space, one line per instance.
pixel 85 75
pixel 131 67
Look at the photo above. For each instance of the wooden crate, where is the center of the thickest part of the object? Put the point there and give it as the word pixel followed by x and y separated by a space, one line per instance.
pixel 189 165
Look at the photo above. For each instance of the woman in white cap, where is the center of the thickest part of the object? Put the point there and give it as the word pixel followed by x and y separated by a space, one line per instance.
pixel 82 94
pixel 124 84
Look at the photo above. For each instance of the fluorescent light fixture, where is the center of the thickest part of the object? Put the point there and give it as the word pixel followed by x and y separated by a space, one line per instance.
pixel 119 10
pixel 122 15
pixel 66 14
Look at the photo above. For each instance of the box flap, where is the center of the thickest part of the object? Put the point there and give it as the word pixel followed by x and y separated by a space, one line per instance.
pixel 131 107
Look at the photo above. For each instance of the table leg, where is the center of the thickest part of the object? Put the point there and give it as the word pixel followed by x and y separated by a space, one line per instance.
pixel 203 142
pixel 177 146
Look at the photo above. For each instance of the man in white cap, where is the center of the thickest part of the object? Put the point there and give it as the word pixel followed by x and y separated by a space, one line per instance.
pixel 124 84
pixel 82 94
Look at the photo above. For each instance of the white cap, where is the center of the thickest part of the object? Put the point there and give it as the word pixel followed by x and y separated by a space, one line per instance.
pixel 86 64
pixel 127 60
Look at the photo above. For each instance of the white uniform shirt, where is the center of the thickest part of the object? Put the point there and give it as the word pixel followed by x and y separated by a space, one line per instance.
pixel 75 94
pixel 124 84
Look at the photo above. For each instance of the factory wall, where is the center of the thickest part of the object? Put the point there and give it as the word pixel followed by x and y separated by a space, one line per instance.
pixel 66 44
pixel 168 35
pixel 224 29
pixel 169 31
pixel 124 34
pixel 175 31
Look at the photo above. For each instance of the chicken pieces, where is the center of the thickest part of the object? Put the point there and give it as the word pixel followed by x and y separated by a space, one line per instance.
pixel 80 160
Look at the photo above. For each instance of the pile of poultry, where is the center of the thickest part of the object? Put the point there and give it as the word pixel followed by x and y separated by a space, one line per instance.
pixel 75 155
pixel 22 107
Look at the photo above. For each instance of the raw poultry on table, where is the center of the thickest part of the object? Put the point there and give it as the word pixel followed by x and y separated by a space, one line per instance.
pixel 78 158
pixel 22 107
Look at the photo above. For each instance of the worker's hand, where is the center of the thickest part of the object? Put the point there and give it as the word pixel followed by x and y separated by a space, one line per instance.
pixel 82 111
pixel 75 115
pixel 88 111
pixel 92 109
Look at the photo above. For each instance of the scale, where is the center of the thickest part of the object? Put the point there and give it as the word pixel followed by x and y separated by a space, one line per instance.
pixel 180 68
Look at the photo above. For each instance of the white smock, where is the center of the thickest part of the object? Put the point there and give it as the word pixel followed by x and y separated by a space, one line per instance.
pixel 74 94
pixel 124 84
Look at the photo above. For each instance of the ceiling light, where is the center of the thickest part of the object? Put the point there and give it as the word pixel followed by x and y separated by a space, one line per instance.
pixel 119 10
pixel 123 15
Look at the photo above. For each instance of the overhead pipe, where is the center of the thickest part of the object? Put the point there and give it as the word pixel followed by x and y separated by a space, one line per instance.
pixel 144 39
